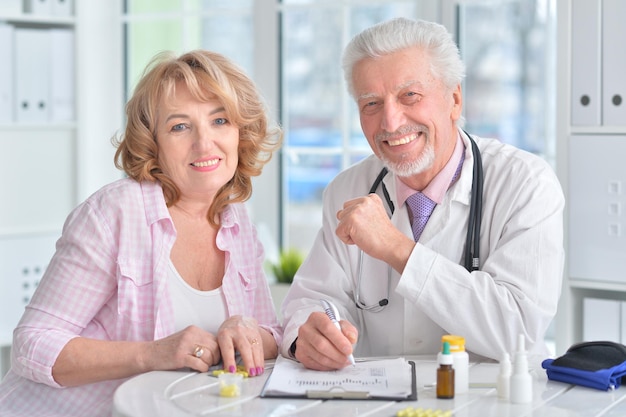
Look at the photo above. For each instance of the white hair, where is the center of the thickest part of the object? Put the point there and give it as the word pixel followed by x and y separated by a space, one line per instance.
pixel 401 33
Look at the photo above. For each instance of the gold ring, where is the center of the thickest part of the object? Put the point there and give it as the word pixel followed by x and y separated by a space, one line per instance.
pixel 254 341
pixel 198 351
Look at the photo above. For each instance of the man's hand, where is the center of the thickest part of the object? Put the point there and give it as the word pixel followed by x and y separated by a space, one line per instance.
pixel 321 346
pixel 364 222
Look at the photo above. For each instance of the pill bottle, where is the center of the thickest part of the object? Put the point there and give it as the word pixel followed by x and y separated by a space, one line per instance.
pixel 504 377
pixel 445 373
pixel 521 384
pixel 460 362
pixel 230 384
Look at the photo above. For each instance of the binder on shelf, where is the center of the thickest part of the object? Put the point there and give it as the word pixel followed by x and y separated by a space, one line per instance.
pixel 382 379
pixel 6 73
pixel 38 7
pixel 62 7
pixel 613 63
pixel 61 75
pixel 32 71
pixel 586 63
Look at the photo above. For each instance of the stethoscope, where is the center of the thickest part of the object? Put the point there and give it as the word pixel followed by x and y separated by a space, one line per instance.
pixel 472 241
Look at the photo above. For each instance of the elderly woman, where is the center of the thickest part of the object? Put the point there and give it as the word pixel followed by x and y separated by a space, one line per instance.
pixel 161 270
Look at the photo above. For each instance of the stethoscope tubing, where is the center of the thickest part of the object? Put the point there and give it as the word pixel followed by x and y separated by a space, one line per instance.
pixel 472 241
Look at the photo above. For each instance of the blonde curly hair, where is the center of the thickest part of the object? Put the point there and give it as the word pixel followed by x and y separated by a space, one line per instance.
pixel 207 75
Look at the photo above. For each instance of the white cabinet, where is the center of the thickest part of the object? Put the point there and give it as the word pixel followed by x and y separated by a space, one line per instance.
pixel 50 164
pixel 591 142
pixel 37 164
pixel 37 168
pixel 602 319
pixel 598 57
pixel 597 208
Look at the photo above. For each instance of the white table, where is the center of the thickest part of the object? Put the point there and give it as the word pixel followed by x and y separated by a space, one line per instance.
pixel 174 394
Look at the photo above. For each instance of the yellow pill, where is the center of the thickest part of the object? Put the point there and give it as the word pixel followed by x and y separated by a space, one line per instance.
pixel 218 372
pixel 405 412
pixel 230 391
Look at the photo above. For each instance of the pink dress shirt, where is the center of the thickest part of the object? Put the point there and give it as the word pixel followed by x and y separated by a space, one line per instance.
pixel 436 189
pixel 107 280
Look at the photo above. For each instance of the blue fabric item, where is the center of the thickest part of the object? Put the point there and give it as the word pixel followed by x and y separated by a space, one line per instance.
pixel 604 379
pixel 600 365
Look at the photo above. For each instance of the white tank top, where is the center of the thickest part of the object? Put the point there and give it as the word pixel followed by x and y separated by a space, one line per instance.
pixel 205 309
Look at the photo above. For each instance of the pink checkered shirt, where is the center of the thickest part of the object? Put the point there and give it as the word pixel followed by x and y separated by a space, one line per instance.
pixel 107 280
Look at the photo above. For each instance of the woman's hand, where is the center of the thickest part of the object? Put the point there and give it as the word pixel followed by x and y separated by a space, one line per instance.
pixel 254 344
pixel 84 361
pixel 191 347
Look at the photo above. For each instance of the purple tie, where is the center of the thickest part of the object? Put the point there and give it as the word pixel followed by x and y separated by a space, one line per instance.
pixel 421 207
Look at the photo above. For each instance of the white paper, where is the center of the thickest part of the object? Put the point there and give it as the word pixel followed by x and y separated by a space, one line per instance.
pixel 380 378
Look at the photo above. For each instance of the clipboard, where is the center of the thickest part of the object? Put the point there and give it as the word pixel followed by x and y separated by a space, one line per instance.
pixel 289 379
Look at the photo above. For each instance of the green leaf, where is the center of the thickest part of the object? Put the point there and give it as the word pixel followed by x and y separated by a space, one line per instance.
pixel 287 266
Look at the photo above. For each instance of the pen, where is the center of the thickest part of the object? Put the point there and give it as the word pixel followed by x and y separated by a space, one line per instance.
pixel 333 315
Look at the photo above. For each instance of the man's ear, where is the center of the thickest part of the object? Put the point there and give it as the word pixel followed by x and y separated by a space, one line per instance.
pixel 457 105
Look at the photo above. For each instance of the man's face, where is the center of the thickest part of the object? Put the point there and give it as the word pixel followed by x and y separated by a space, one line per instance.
pixel 407 115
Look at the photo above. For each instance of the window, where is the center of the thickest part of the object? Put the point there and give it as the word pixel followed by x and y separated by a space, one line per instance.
pixel 152 26
pixel 508 47
pixel 508 92
pixel 323 134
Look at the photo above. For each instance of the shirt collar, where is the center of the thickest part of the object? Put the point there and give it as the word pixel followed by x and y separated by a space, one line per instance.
pixel 154 201
pixel 438 186
pixel 229 217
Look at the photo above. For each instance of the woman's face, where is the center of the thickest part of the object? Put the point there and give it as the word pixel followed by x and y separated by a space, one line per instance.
pixel 197 143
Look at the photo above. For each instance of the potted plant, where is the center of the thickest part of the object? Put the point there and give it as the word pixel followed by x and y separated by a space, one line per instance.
pixel 284 270
pixel 288 263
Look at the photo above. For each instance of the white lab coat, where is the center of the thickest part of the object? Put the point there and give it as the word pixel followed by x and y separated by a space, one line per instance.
pixel 515 291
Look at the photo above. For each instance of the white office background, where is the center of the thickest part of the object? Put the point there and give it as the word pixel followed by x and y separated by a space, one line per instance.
pixel 292 49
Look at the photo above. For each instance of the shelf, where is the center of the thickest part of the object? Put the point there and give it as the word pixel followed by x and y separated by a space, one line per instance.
pixel 597 285
pixel 39 20
pixel 598 130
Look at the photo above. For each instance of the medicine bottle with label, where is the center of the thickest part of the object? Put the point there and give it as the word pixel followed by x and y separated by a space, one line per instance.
pixel 460 362
pixel 445 373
